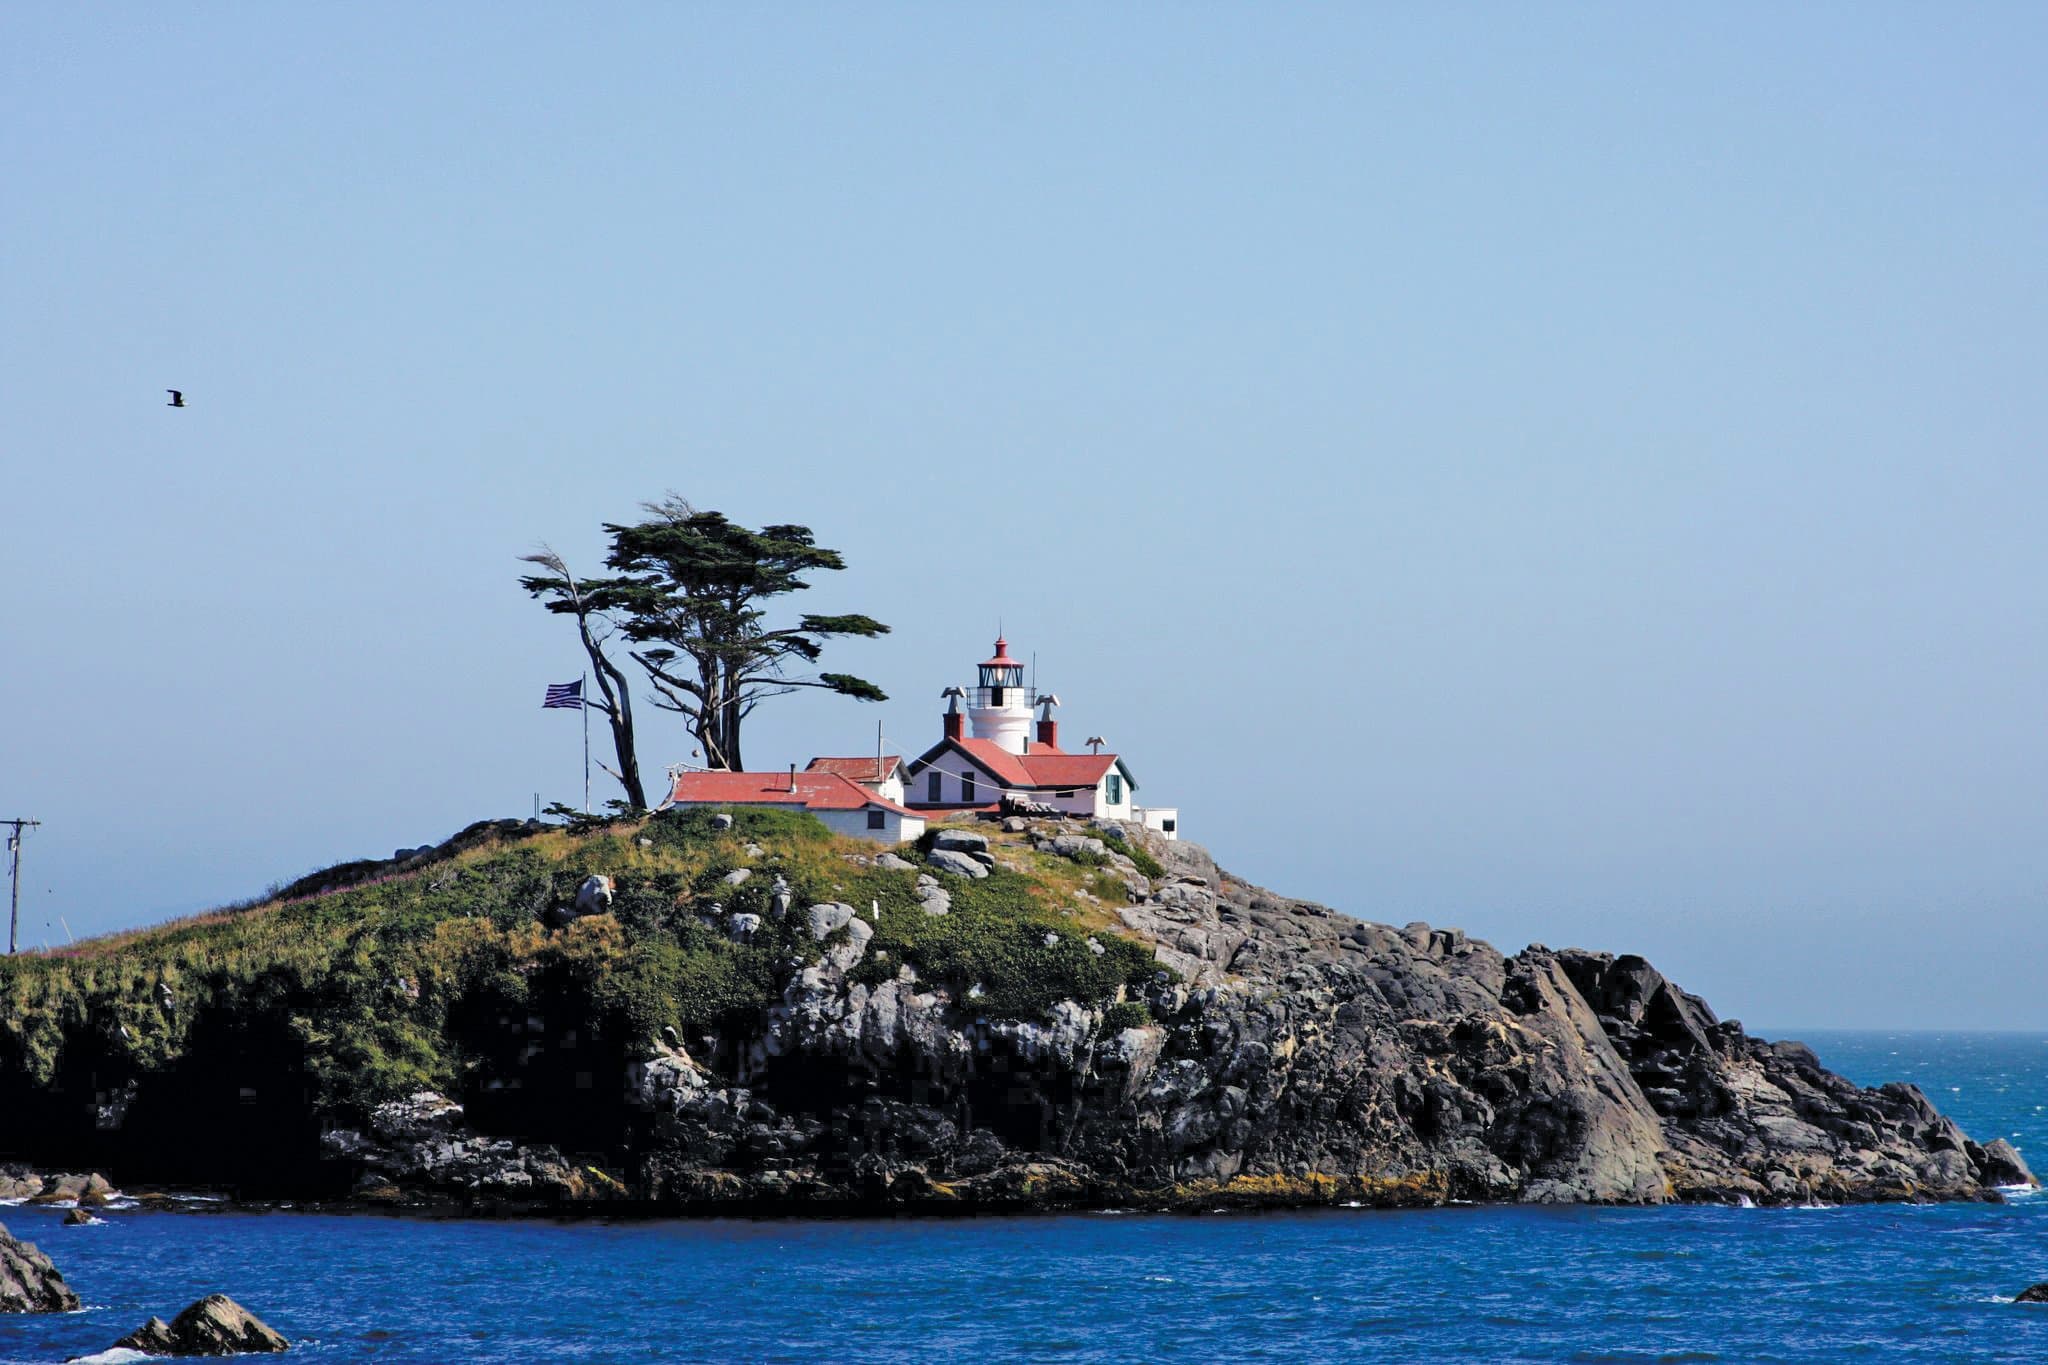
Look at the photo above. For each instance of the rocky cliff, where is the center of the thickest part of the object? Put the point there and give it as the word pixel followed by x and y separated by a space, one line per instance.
pixel 1030 1014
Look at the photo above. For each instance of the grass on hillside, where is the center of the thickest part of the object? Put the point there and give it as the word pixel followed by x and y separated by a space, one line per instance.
pixel 407 983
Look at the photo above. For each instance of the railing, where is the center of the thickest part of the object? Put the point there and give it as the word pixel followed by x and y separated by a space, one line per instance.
pixel 982 697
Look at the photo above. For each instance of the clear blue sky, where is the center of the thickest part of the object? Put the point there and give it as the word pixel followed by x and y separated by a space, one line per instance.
pixel 1573 473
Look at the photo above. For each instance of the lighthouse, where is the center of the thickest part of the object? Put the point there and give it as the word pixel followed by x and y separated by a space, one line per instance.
pixel 999 705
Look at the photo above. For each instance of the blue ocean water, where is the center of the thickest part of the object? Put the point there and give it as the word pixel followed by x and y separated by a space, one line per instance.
pixel 1466 1284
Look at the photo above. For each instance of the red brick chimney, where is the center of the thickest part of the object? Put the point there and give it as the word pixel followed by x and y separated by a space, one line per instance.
pixel 956 722
pixel 1049 732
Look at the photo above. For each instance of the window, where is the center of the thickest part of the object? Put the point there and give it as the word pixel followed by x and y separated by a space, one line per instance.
pixel 967 789
pixel 932 789
pixel 1166 826
pixel 1113 789
pixel 875 818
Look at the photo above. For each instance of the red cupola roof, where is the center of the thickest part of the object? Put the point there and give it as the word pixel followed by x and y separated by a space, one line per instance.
pixel 1003 659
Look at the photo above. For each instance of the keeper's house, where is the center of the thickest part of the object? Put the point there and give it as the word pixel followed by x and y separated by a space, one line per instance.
pixel 845 806
pixel 992 757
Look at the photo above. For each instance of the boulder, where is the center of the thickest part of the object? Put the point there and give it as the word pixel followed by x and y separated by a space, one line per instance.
pixel 743 926
pixel 594 897
pixel 828 918
pixel 932 898
pixel 78 1218
pixel 894 863
pixel 738 876
pixel 29 1283
pixel 214 1326
pixel 2033 1293
pixel 957 863
pixel 844 955
pixel 88 1190
pixel 960 841
pixel 1998 1163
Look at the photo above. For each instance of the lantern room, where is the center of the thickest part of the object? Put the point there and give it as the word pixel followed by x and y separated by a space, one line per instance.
pixel 999 705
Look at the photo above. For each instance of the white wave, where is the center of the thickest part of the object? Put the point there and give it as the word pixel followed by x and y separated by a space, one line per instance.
pixel 113 1355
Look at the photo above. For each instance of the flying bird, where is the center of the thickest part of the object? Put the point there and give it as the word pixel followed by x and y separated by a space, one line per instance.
pixel 177 398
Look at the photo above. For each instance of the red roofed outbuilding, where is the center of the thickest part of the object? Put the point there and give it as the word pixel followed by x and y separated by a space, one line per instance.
pixel 843 805
pixel 882 776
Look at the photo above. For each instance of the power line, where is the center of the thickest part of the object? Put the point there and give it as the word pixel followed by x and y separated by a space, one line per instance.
pixel 14 849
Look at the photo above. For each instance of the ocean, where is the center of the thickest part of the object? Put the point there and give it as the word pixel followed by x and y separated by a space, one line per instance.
pixel 1886 1283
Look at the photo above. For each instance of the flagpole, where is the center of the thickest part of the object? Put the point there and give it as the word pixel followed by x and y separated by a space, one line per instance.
pixel 582 689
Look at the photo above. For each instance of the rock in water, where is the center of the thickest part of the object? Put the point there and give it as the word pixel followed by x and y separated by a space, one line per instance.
pixel 28 1282
pixel 78 1218
pixel 1998 1163
pixel 214 1326
pixel 2033 1293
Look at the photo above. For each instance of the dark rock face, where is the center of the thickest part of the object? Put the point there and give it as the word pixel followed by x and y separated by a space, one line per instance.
pixel 1999 1164
pixel 1302 1056
pixel 2033 1293
pixel 29 1283
pixel 421 1143
pixel 214 1326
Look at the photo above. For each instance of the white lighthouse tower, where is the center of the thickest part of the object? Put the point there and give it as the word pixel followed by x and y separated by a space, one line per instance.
pixel 999 707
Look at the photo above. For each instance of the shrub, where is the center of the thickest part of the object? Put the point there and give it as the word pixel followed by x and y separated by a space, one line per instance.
pixel 1125 1014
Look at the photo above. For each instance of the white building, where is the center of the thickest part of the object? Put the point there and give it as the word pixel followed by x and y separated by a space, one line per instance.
pixel 991 752
pixel 880 775
pixel 845 807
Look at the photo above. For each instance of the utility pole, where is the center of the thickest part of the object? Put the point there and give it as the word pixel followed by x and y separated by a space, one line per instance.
pixel 14 848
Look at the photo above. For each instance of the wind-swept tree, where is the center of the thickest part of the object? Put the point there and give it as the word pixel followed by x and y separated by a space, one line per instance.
pixel 585 600
pixel 692 593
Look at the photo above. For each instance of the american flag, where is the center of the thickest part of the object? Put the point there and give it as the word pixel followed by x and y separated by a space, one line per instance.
pixel 568 695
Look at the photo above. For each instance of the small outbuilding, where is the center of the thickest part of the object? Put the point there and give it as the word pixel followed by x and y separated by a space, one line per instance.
pixel 845 806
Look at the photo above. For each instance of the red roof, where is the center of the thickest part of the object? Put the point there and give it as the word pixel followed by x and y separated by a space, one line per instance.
pixel 1039 769
pixel 814 791
pixel 856 769
pixel 1067 770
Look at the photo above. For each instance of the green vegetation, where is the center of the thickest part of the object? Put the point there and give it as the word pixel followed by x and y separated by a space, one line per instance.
pixel 993 947
pixel 1146 863
pixel 428 979
pixel 688 601
pixel 1125 1014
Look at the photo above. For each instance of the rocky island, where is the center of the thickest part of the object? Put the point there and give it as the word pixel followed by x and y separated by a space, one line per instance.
pixel 758 1015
